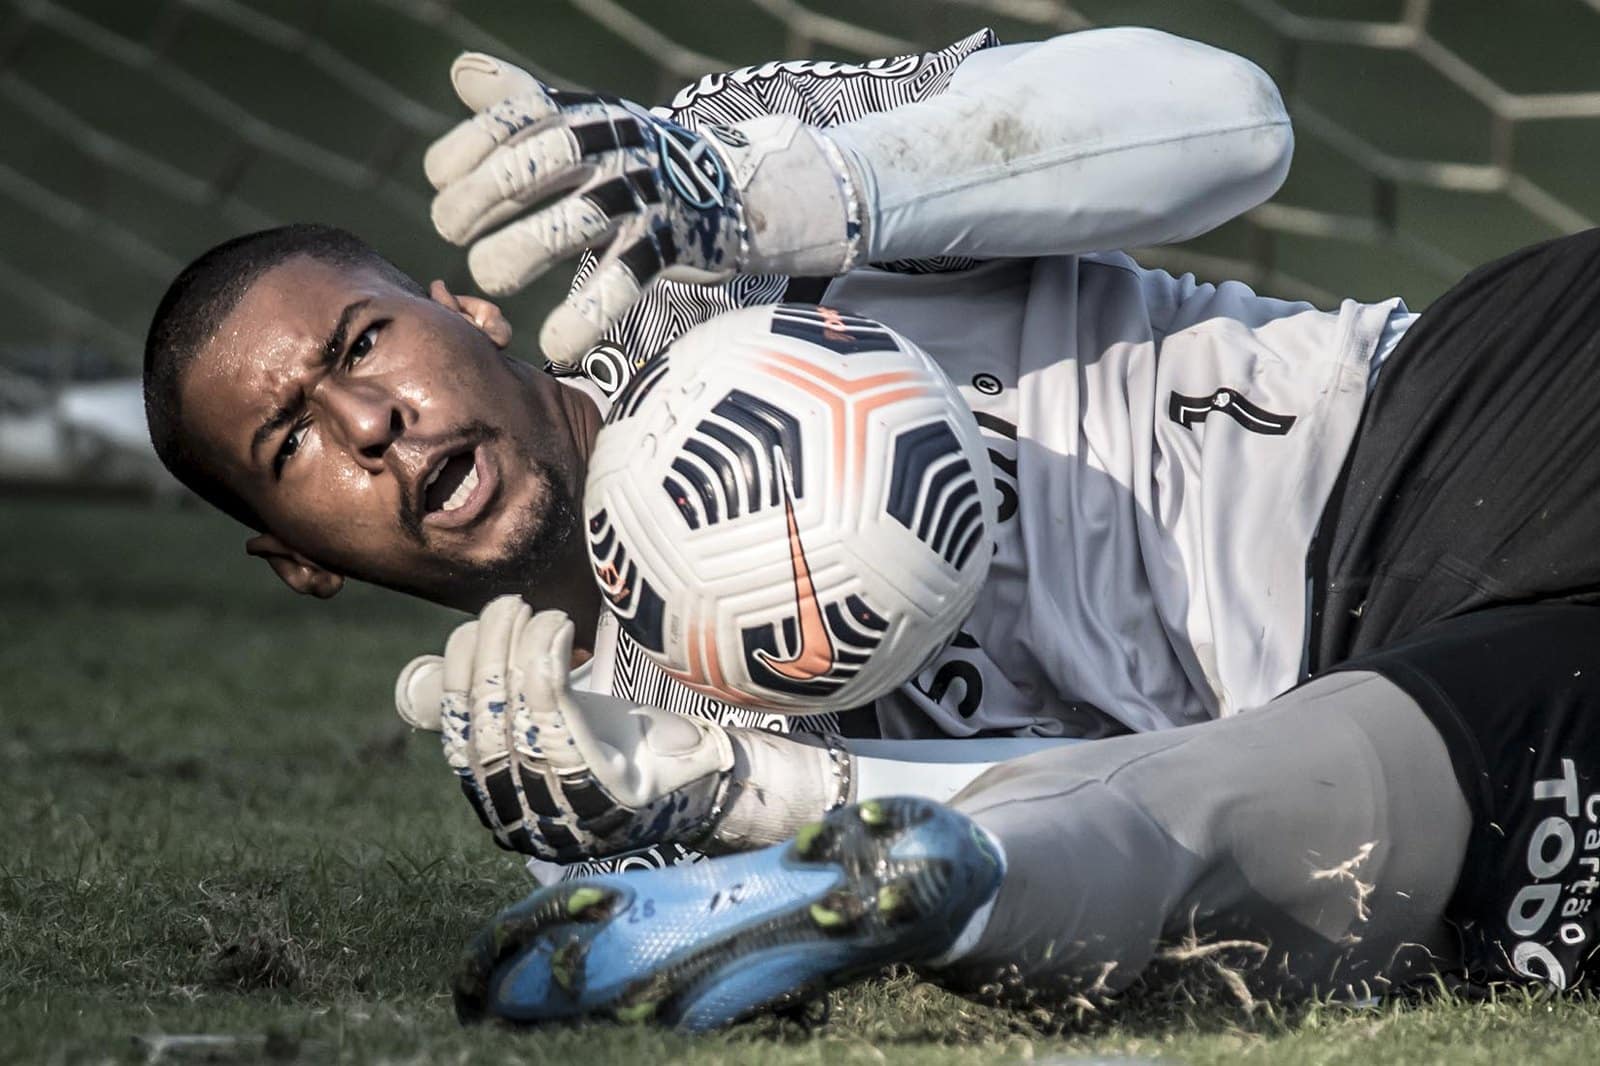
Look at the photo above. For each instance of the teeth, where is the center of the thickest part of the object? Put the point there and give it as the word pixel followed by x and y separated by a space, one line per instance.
pixel 463 490
pixel 428 484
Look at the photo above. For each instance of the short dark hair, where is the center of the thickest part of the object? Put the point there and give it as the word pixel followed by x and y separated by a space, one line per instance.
pixel 203 294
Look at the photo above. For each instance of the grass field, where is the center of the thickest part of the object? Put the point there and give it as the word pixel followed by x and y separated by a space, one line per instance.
pixel 212 823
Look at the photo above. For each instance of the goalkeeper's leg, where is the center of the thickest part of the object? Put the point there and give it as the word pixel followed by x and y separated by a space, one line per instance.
pixel 1327 827
pixel 1322 835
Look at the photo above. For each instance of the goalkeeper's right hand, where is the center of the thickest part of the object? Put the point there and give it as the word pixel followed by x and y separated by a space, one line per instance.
pixel 566 776
pixel 770 195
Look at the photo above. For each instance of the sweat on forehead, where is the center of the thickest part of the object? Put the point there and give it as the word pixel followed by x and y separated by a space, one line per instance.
pixel 295 320
pixel 193 309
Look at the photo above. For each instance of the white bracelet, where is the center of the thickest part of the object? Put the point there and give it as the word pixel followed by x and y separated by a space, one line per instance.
pixel 843 765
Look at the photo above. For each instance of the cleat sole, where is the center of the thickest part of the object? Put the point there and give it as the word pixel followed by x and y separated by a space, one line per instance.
pixel 892 900
pixel 828 919
pixel 566 964
pixel 635 1013
pixel 701 946
pixel 838 912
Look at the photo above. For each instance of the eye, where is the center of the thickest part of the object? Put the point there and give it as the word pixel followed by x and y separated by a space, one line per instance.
pixel 291 444
pixel 362 345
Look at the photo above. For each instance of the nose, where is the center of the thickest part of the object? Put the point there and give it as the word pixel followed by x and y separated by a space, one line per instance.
pixel 366 415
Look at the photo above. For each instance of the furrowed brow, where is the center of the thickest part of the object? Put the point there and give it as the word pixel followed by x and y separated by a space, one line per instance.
pixel 281 416
pixel 332 348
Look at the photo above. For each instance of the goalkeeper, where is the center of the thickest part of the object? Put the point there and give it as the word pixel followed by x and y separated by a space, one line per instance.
pixel 1411 808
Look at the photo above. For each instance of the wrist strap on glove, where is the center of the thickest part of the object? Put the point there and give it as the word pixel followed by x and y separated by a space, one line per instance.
pixel 779 783
pixel 799 200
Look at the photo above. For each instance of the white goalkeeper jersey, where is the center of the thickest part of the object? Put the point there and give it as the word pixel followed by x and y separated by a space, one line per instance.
pixel 1162 449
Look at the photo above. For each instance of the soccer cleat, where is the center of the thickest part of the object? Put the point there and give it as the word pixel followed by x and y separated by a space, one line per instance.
pixel 702 945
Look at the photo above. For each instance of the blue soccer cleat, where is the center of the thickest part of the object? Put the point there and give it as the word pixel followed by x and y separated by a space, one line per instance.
pixel 700 946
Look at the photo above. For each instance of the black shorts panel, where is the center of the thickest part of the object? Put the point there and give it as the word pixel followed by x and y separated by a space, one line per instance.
pixel 1515 693
pixel 1474 477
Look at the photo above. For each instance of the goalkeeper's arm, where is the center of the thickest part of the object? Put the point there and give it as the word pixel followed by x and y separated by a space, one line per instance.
pixel 566 775
pixel 1091 141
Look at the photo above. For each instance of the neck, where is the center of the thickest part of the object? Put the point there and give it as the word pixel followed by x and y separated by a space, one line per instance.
pixel 585 419
pixel 568 585
pixel 579 599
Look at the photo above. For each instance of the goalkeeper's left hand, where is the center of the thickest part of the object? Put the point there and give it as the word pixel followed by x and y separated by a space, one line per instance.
pixel 766 196
pixel 555 774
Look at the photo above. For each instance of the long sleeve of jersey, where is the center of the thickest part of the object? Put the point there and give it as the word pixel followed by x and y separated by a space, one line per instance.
pixel 1091 141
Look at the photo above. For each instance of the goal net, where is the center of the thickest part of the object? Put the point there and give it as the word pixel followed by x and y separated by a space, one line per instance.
pixel 1431 134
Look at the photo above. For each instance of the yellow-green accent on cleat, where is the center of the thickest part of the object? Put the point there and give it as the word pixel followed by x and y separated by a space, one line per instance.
pixel 636 1012
pixel 806 837
pixel 825 917
pixel 564 964
pixel 583 899
pixel 890 899
pixel 872 813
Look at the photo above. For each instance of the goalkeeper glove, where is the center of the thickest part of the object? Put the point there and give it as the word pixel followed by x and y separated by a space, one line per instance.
pixel 567 776
pixel 767 196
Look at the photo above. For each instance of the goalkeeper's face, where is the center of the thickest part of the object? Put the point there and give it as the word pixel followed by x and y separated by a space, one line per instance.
pixel 384 435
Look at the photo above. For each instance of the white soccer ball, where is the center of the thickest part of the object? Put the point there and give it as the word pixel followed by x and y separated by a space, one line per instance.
pixel 790 509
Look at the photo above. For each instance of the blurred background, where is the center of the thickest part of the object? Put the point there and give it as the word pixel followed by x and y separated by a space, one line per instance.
pixel 1432 135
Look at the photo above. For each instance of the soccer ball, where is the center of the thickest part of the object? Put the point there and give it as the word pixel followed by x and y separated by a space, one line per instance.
pixel 790 509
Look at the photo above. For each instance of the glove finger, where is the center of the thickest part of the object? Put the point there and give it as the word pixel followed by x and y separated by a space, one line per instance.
pixel 508 102
pixel 490 752
pixel 557 156
pixel 487 687
pixel 504 183
pixel 456 679
pixel 632 261
pixel 542 660
pixel 419 693
pixel 455 712
pixel 545 658
pixel 470 141
pixel 481 80
pixel 514 119
pixel 458 652
pixel 519 784
pixel 507 260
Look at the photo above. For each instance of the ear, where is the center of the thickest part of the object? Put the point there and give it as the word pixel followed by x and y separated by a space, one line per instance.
pixel 483 314
pixel 294 569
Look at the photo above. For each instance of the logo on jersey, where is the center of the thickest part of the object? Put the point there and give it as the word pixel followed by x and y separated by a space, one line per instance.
pixel 1187 410
pixel 1005 466
pixel 606 365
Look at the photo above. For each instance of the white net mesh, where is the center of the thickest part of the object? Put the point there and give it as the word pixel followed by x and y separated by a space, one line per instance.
pixel 1431 135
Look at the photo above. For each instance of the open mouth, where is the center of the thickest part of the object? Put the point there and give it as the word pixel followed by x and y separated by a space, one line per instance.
pixel 451 484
